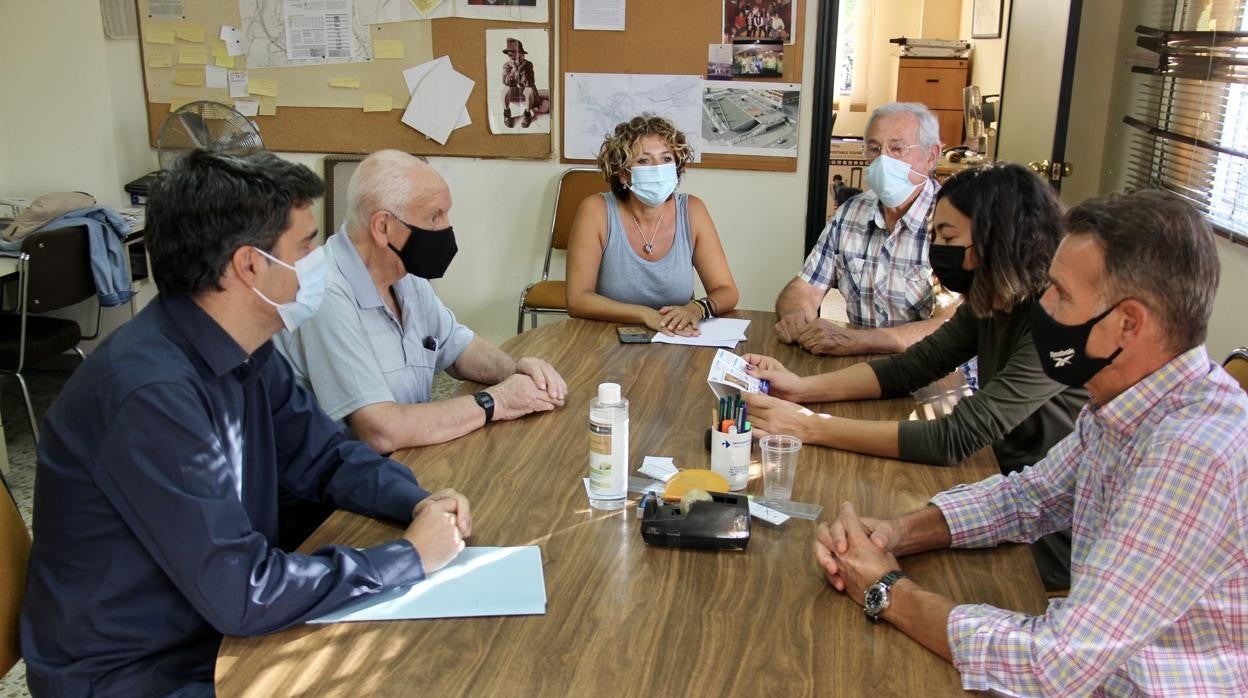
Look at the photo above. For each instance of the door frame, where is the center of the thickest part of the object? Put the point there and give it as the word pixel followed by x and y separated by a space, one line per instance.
pixel 1065 88
pixel 822 121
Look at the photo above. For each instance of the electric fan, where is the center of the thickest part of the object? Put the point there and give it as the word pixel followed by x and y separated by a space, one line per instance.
pixel 210 125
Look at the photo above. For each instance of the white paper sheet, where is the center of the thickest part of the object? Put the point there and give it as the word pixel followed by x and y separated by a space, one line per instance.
pixel 598 15
pixel 481 581
pixel 717 332
pixel 233 38
pixel 318 30
pixel 166 9
pixel 438 101
pixel 121 19
pixel 247 107
pixel 237 80
pixel 412 76
pixel 215 76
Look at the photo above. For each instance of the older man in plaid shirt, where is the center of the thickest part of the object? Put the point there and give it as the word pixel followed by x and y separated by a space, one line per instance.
pixel 874 250
pixel 1153 483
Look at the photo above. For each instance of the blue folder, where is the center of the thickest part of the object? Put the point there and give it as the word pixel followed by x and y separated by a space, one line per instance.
pixel 479 582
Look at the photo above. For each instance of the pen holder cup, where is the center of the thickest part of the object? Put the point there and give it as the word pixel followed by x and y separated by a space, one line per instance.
pixel 730 457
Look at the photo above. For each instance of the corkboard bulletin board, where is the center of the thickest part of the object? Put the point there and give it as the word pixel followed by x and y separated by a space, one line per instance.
pixel 352 131
pixel 668 37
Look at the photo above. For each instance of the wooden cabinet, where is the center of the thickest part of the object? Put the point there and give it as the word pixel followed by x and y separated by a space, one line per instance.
pixel 938 83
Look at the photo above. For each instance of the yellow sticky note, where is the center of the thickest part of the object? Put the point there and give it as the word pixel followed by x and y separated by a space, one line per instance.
pixel 191 32
pixel 388 48
pixel 159 57
pixel 177 103
pixel 262 86
pixel 268 107
pixel 191 77
pixel 193 55
pixel 160 34
pixel 378 101
pixel 351 83
pixel 221 55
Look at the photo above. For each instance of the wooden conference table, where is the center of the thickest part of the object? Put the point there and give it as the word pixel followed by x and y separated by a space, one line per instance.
pixel 623 618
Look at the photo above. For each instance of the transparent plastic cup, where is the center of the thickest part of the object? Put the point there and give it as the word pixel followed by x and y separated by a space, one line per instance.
pixel 779 454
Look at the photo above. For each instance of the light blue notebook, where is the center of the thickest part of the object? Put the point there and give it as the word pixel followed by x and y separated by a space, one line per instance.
pixel 479 582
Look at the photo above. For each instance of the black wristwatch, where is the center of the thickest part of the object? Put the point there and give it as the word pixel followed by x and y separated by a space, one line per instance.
pixel 486 401
pixel 875 599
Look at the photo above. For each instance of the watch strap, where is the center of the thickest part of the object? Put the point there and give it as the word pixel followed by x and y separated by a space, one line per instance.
pixel 486 402
pixel 892 578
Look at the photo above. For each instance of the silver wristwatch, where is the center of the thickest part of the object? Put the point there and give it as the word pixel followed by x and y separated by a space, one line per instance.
pixel 875 599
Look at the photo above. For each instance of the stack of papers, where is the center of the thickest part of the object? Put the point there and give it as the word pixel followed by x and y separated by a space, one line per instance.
pixel 439 98
pixel 717 332
pixel 479 582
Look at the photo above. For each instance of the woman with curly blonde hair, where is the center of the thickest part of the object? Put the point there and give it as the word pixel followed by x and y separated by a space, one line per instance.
pixel 633 250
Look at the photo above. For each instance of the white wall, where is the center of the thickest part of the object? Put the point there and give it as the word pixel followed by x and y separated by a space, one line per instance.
pixel 69 114
pixel 988 55
pixel 80 123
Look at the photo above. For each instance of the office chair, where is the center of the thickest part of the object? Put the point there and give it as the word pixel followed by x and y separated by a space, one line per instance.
pixel 54 272
pixel 14 551
pixel 1237 365
pixel 548 297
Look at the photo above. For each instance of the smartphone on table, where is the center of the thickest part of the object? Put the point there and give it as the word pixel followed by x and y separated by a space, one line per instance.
pixel 633 335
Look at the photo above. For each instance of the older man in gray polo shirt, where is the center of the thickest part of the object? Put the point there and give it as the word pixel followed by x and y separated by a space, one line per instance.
pixel 371 352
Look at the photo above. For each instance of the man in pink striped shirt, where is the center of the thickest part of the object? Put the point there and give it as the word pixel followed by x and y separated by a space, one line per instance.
pixel 1153 482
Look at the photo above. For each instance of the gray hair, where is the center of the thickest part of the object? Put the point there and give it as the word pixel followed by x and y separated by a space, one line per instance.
pixel 1160 250
pixel 929 127
pixel 379 184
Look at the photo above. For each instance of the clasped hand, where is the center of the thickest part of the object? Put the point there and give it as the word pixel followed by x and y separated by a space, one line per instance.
pixel 854 552
pixel 819 336
pixel 440 523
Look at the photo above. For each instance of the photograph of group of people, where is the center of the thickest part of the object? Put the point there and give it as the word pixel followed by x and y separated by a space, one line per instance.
pixel 758 19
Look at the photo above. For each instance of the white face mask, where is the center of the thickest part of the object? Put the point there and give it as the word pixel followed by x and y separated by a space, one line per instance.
pixel 889 178
pixel 311 272
pixel 652 184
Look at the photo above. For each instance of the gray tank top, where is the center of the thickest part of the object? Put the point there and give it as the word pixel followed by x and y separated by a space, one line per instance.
pixel 627 277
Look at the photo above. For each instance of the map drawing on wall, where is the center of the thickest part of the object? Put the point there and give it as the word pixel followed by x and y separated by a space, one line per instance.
pixel 281 33
pixel 595 102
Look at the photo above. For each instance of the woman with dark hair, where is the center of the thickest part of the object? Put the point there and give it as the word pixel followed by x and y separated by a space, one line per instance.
pixel 994 232
pixel 633 251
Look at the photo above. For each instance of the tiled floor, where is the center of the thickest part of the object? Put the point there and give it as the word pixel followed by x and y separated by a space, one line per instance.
pixel 44 385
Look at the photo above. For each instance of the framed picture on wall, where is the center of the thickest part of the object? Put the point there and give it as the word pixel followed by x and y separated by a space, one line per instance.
pixel 986 19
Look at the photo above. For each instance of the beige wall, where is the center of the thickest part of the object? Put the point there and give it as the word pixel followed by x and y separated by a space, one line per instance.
pixel 942 19
pixel 66 101
pixel 988 55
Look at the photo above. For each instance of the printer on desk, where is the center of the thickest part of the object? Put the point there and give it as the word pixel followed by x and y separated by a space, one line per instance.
pixel 139 188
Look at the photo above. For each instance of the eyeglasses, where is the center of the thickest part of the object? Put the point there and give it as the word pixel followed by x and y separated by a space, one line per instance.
pixel 894 150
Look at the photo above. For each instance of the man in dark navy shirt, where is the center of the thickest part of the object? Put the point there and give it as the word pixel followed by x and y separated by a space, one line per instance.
pixel 155 515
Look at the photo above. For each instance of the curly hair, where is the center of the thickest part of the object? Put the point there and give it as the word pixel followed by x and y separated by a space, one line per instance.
pixel 1016 224
pixel 617 149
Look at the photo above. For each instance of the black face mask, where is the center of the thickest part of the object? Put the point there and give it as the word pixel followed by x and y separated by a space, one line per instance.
pixel 947 265
pixel 427 253
pixel 1063 348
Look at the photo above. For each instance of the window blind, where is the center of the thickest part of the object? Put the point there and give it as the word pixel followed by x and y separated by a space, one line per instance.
pixel 1189 114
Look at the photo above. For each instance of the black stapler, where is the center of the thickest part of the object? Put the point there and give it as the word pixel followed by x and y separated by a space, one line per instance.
pixel 723 523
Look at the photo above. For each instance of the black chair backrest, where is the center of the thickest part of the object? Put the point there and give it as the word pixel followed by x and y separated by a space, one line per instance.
pixel 59 269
